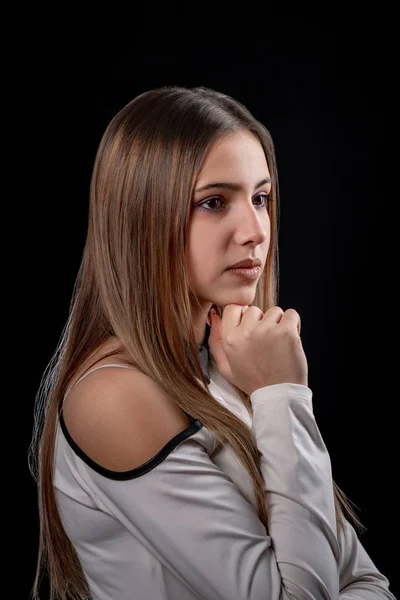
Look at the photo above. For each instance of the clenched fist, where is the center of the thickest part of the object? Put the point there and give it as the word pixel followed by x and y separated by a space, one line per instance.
pixel 253 349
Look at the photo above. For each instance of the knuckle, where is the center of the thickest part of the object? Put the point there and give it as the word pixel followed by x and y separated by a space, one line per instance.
pixel 285 332
pixel 247 334
pixel 229 341
pixel 292 311
pixel 277 309
pixel 273 312
pixel 255 310
pixel 288 332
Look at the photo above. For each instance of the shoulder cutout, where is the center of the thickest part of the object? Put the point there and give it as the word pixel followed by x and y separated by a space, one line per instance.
pixel 121 418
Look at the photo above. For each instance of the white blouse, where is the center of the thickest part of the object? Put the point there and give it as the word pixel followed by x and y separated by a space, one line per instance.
pixel 184 525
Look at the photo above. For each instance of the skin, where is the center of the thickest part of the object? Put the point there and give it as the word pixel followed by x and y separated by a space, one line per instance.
pixel 220 238
pixel 232 226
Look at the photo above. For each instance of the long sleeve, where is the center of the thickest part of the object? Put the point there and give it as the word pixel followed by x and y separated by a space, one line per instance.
pixel 192 518
pixel 359 577
pixel 299 491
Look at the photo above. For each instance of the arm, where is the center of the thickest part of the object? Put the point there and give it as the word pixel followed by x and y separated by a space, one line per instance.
pixel 190 515
pixel 359 578
pixel 297 470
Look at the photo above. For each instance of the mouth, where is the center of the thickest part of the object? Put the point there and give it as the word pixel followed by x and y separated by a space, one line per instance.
pixel 247 272
pixel 247 263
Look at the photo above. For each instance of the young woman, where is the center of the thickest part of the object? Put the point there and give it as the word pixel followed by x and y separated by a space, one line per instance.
pixel 178 454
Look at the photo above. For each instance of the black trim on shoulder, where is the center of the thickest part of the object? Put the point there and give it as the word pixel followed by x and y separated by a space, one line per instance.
pixel 195 425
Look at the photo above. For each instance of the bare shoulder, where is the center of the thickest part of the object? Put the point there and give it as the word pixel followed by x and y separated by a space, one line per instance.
pixel 120 417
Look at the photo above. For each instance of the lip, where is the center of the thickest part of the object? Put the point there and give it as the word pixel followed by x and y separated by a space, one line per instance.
pixel 248 273
pixel 247 263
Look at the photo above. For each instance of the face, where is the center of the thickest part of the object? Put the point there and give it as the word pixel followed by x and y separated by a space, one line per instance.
pixel 229 220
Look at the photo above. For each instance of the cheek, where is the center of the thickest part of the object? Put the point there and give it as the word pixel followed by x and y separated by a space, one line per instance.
pixel 202 258
pixel 201 240
pixel 196 252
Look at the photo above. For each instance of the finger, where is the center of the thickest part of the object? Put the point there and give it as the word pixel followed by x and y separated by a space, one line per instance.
pixel 251 314
pixel 215 344
pixel 231 318
pixel 214 339
pixel 273 315
pixel 291 319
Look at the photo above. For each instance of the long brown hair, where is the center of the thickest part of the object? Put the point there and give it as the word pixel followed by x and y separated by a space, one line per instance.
pixel 132 284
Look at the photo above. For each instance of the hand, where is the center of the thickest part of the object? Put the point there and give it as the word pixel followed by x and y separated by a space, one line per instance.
pixel 253 349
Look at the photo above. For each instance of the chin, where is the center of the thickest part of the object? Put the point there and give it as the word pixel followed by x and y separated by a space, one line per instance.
pixel 241 297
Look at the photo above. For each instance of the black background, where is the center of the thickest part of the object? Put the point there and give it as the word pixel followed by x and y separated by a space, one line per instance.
pixel 322 89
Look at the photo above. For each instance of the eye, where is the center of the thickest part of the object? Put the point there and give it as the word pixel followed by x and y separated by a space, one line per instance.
pixel 265 198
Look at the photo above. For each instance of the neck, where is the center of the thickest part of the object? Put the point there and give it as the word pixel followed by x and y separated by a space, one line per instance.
pixel 200 331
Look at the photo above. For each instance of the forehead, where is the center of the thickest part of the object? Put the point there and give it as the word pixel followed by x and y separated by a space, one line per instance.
pixel 235 156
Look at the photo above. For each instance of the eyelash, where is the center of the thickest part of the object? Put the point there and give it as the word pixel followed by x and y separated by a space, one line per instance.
pixel 267 198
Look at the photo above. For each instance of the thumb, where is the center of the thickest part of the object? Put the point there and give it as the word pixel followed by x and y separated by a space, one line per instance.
pixel 215 341
pixel 215 345
pixel 215 338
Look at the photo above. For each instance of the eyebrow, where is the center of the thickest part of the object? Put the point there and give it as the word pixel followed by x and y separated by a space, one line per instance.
pixel 230 186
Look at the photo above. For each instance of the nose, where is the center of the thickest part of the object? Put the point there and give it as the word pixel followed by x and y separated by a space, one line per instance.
pixel 251 225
